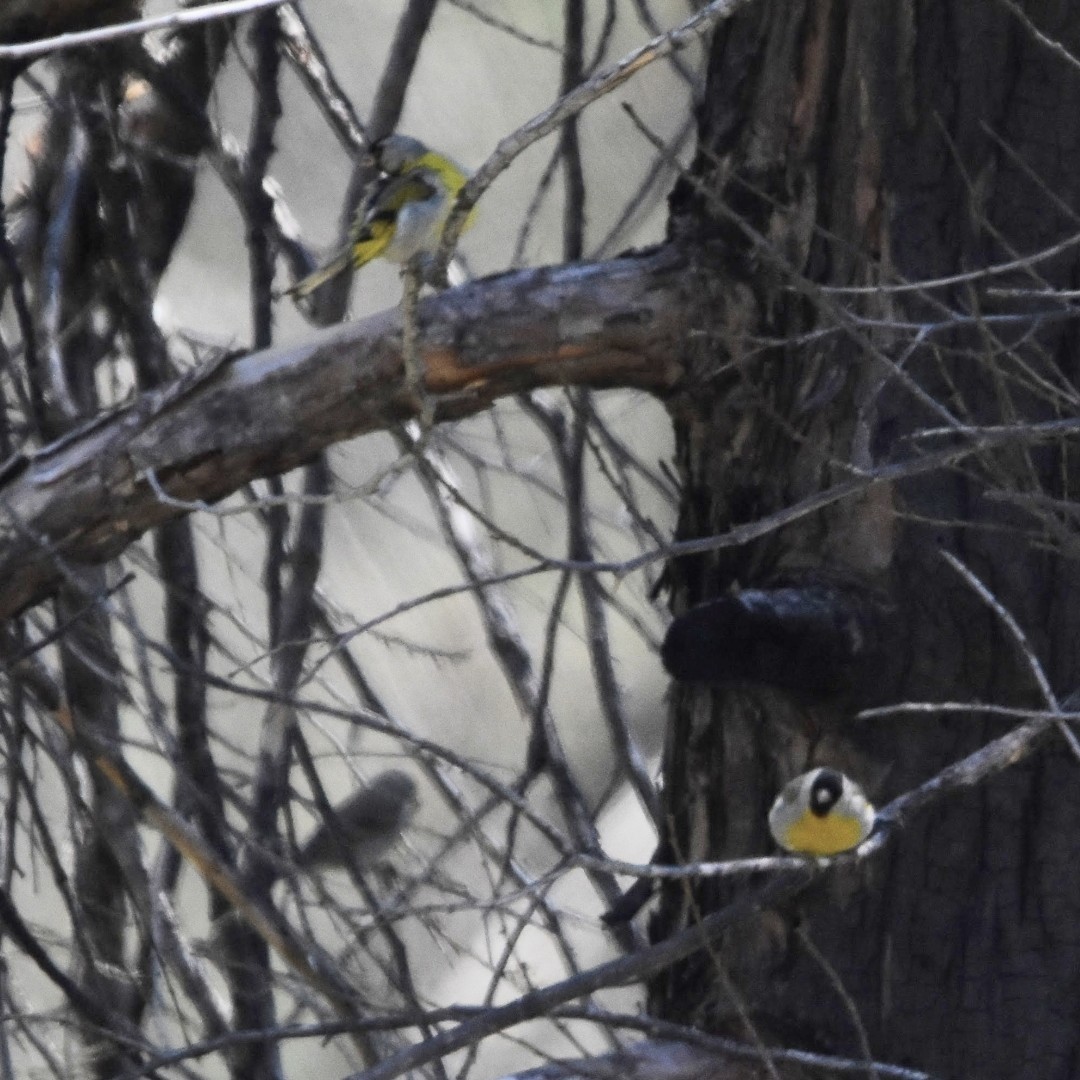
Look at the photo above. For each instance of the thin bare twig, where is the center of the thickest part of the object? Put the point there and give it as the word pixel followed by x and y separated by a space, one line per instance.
pixel 571 104
pixel 1022 643
pixel 842 992
pixel 224 9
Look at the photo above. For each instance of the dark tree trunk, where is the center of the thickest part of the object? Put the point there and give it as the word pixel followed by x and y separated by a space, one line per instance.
pixel 858 144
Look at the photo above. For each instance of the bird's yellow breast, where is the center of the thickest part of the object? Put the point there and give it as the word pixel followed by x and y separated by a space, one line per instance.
pixel 828 835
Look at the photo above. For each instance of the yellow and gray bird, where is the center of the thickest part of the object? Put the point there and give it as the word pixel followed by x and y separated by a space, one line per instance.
pixel 405 214
pixel 823 812
pixel 368 824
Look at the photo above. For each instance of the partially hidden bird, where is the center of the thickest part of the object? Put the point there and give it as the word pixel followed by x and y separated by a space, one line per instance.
pixel 366 826
pixel 404 214
pixel 821 813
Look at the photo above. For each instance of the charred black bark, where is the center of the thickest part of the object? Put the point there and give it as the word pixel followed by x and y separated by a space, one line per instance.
pixel 813 641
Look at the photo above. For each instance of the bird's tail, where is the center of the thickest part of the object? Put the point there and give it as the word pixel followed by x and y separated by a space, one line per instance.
pixel 337 265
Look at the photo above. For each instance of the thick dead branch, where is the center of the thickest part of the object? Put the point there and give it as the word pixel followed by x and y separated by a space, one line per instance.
pixel 703 1059
pixel 84 498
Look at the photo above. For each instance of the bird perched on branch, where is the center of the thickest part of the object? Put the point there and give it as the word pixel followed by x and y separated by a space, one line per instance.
pixel 405 213
pixel 365 826
pixel 823 812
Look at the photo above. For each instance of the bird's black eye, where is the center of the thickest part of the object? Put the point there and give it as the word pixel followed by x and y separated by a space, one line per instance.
pixel 825 792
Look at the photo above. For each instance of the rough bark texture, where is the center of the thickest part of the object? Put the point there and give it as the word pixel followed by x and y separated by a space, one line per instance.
pixel 852 144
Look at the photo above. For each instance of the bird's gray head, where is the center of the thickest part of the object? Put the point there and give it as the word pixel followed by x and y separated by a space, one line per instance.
pixel 394 789
pixel 365 826
pixel 398 153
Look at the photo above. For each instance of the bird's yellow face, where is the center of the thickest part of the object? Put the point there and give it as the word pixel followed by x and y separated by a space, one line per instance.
pixel 821 813
pixel 448 171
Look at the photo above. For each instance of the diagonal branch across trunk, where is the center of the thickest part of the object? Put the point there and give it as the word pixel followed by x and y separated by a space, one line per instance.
pixel 86 497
